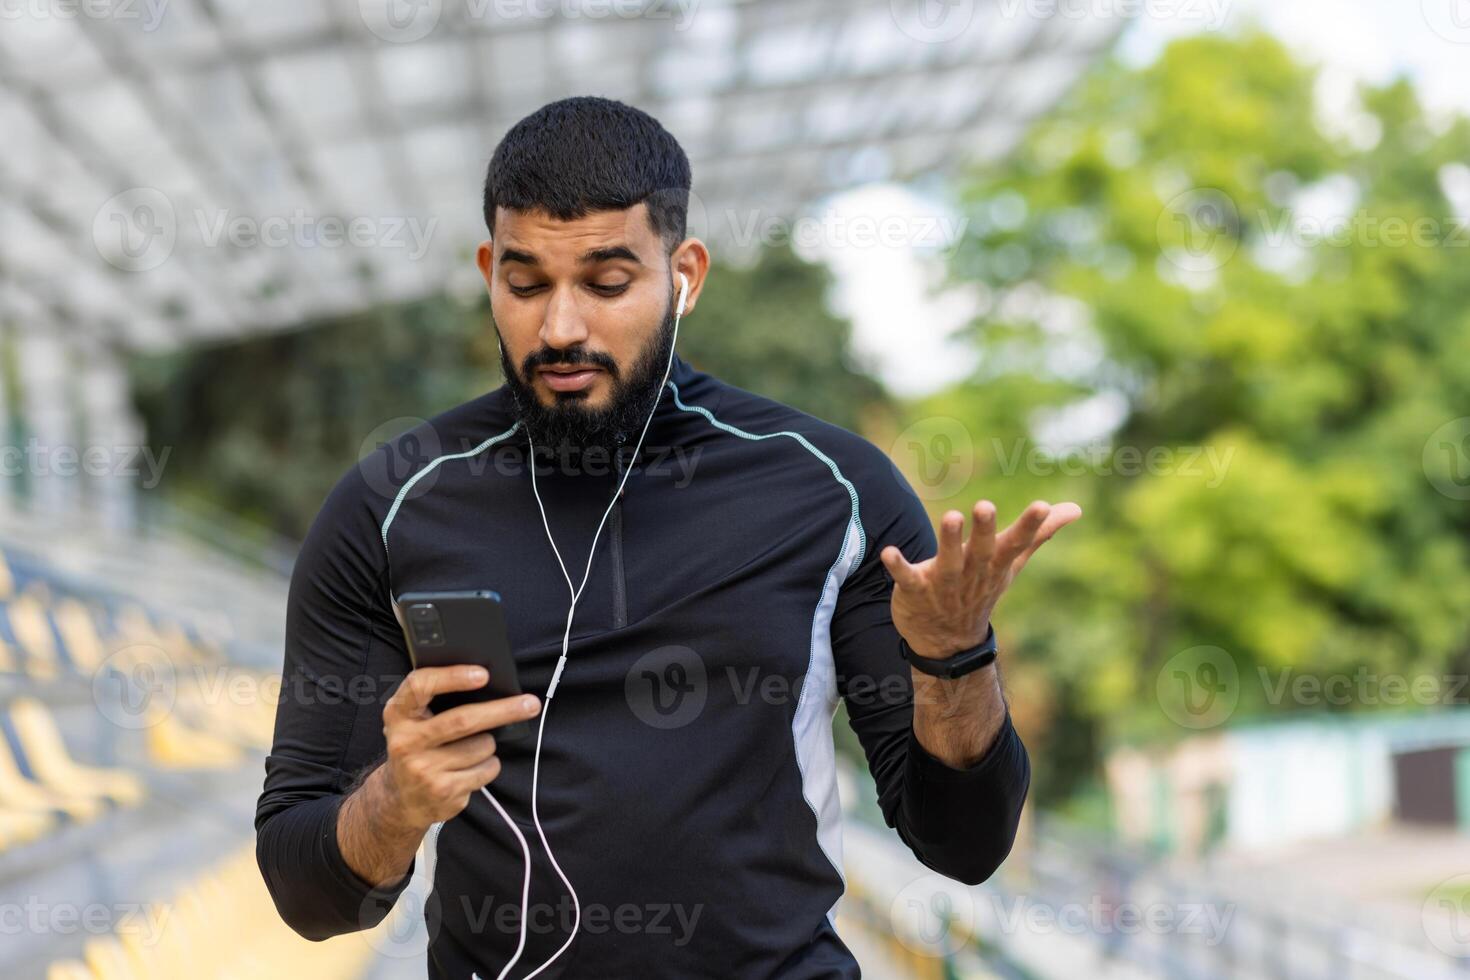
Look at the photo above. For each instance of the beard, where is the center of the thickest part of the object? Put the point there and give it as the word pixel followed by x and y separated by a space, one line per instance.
pixel 568 422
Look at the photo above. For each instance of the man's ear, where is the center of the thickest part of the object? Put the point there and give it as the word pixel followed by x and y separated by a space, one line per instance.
pixel 485 259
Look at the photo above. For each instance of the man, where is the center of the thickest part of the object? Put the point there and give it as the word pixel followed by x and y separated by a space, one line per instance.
pixel 757 565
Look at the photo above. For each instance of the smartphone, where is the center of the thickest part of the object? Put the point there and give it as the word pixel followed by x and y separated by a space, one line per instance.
pixel 447 629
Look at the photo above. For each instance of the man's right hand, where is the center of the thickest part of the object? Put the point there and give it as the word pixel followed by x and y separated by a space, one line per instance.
pixel 436 762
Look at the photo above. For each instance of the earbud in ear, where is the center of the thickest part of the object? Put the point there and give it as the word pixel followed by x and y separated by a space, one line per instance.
pixel 683 291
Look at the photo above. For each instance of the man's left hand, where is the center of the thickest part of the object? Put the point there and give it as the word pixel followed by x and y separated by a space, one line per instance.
pixel 942 605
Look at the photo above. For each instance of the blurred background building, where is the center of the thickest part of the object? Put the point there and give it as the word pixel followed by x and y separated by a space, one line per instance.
pixel 1196 264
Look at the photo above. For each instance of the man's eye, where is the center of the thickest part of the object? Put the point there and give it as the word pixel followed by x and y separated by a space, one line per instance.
pixel 524 290
pixel 609 289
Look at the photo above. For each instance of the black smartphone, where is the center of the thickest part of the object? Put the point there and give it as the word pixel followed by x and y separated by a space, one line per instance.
pixel 447 629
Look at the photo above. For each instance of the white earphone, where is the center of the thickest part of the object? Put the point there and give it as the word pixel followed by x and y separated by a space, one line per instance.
pixel 561 664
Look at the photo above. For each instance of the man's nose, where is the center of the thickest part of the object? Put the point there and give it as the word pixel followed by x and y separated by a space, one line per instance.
pixel 563 326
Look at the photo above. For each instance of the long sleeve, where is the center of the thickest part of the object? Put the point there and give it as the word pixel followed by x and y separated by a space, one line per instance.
pixel 344 656
pixel 958 822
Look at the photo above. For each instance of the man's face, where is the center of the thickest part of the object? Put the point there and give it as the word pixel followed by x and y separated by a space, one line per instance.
pixel 583 309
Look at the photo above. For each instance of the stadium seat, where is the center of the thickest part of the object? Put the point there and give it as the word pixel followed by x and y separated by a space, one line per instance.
pixel 79 634
pixel 31 628
pixel 22 826
pixel 53 765
pixel 109 960
pixel 174 745
pixel 70 970
pixel 7 579
pixel 221 924
pixel 19 792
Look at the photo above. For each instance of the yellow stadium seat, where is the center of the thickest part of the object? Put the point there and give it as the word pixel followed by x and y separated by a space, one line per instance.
pixel 70 970
pixel 174 745
pixel 7 580
pixel 23 826
pixel 55 767
pixel 28 622
pixel 19 793
pixel 110 960
pixel 79 632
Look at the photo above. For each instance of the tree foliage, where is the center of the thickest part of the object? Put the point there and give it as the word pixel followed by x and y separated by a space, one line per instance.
pixel 1144 279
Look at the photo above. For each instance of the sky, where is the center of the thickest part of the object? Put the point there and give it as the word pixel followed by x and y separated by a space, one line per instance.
pixel 902 324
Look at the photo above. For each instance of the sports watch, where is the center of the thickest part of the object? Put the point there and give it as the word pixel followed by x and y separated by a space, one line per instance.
pixel 957 665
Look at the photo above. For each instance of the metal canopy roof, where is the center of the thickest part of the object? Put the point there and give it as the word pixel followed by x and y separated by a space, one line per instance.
pixel 177 171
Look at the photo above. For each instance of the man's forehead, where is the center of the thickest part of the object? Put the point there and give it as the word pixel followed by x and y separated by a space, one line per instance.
pixel 537 231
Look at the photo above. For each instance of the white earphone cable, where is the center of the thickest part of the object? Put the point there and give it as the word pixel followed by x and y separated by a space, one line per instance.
pixel 561 663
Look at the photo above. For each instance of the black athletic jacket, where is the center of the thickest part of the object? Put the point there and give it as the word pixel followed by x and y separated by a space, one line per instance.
pixel 688 784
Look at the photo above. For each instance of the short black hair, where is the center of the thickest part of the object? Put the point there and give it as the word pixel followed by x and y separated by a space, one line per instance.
pixel 585 154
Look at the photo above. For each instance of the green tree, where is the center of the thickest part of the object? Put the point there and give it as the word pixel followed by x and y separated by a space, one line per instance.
pixel 1141 278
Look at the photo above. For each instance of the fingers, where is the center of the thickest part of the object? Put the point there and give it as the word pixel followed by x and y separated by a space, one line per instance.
pixel 1018 537
pixel 951 558
pixel 982 537
pixel 904 574
pixel 466 753
pixel 412 698
pixel 468 719
pixel 471 779
pixel 1061 515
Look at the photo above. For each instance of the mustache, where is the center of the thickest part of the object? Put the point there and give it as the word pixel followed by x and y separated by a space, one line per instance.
pixel 551 357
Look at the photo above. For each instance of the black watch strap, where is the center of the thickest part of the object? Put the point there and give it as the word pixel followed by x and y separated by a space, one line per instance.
pixel 954 666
